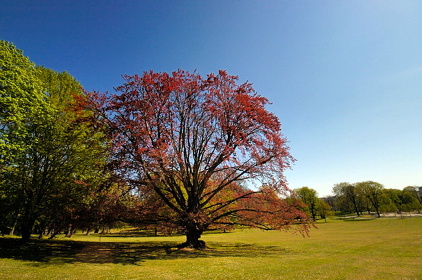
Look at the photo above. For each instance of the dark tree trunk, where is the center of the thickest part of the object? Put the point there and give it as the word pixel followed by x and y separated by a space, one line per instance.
pixel 28 221
pixel 192 239
pixel 54 233
pixel 356 209
pixel 27 230
pixel 41 234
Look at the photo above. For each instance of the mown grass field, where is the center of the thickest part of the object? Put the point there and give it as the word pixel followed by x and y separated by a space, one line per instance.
pixel 386 248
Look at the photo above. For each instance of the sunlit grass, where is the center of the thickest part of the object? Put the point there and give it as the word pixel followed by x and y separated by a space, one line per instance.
pixel 387 248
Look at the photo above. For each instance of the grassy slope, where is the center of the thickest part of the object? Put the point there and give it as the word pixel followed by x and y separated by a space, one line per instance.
pixel 389 248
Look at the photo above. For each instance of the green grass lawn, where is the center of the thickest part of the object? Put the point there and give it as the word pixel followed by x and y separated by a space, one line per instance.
pixel 386 248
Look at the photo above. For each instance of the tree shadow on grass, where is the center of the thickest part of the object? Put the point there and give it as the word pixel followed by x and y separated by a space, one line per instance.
pixel 62 251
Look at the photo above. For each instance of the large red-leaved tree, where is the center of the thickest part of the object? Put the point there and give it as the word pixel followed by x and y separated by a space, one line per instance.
pixel 202 145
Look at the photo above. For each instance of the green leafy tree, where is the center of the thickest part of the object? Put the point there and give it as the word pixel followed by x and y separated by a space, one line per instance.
pixel 61 152
pixel 331 201
pixel 21 100
pixel 324 209
pixel 390 200
pixel 402 200
pixel 348 196
pixel 310 198
pixel 411 199
pixel 373 191
pixel 393 200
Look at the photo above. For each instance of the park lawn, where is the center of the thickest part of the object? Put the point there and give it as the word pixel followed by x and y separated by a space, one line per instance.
pixel 385 248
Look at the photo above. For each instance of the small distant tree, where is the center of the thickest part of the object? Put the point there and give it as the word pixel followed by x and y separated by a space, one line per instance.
pixel 194 141
pixel 331 201
pixel 373 191
pixel 349 194
pixel 324 209
pixel 393 200
pixel 390 200
pixel 411 199
pixel 310 198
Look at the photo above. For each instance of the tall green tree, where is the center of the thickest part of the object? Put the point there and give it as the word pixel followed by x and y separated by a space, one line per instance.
pixel 61 152
pixel 21 100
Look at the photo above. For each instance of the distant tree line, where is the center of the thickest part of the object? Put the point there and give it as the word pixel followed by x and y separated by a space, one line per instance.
pixel 369 196
pixel 360 198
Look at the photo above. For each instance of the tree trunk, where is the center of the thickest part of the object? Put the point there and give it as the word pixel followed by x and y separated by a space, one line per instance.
pixel 12 230
pixel 41 234
pixel 15 223
pixel 27 230
pixel 28 222
pixel 69 231
pixel 192 239
pixel 356 209
pixel 54 233
pixel 105 230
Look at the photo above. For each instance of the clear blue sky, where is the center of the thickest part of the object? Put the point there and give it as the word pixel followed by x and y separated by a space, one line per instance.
pixel 344 77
